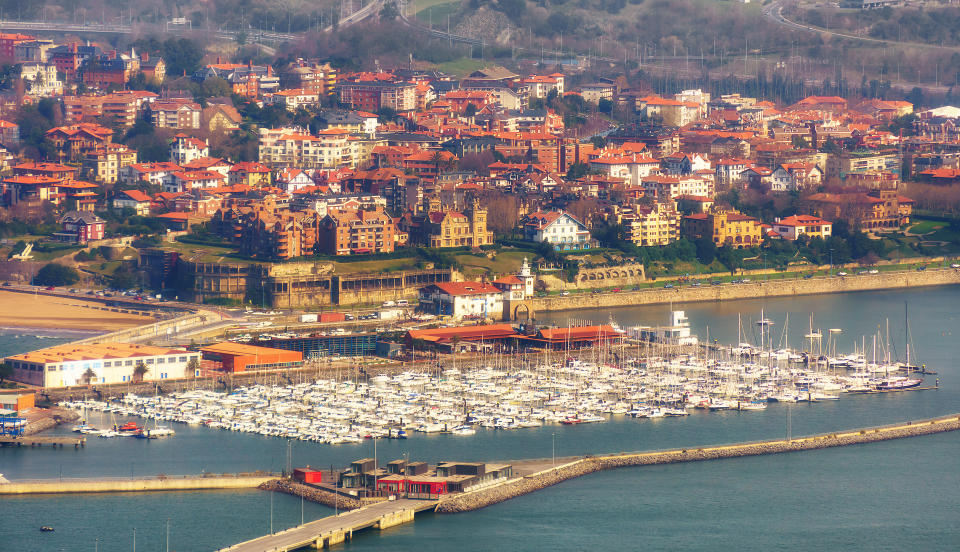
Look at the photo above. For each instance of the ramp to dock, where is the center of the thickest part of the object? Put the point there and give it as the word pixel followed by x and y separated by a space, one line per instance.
pixel 332 530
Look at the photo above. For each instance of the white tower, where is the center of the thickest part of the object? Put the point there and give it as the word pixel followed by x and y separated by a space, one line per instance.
pixel 527 278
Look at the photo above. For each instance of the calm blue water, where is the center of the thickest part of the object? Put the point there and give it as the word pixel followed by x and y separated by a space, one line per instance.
pixel 888 496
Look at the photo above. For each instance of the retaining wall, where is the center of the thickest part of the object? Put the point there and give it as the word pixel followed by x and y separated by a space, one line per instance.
pixel 751 290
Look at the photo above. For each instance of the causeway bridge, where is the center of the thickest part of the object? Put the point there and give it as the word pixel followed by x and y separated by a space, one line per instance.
pixel 331 530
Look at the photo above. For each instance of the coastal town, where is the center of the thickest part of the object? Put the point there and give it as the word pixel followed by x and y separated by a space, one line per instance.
pixel 244 239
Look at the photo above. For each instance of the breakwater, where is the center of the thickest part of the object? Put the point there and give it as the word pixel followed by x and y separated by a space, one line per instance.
pixel 517 487
pixel 755 289
pixel 313 494
pixel 160 483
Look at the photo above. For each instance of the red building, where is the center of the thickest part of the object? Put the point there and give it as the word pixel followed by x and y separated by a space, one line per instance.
pixel 307 475
pixel 9 40
pixel 80 227
pixel 240 357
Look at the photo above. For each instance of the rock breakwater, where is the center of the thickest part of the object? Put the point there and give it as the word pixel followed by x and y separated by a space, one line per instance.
pixel 312 494
pixel 541 480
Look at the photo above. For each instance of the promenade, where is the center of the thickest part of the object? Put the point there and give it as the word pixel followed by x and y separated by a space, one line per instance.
pixel 141 484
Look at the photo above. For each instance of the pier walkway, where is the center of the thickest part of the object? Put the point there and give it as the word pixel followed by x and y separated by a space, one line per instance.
pixel 37 440
pixel 332 530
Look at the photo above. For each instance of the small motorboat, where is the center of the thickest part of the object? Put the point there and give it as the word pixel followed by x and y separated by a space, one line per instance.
pixel 46 528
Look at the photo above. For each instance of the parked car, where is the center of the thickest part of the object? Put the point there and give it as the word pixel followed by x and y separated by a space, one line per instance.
pixel 616 290
pixel 667 286
pixel 841 273
pixel 695 283
pixel 875 271
pixel 564 293
pixel 635 288
pixel 715 282
pixel 955 265
pixel 921 268
pixel 49 288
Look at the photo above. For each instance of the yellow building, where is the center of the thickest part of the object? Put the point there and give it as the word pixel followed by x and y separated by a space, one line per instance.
pixel 249 173
pixel 454 229
pixel 106 163
pixel 657 224
pixel 724 228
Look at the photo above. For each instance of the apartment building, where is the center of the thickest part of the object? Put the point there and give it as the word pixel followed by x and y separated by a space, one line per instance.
pixel 177 113
pixel 107 163
pixel 330 149
pixel 356 231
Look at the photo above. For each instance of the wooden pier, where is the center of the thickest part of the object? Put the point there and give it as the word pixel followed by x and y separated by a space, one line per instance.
pixel 39 441
pixel 331 530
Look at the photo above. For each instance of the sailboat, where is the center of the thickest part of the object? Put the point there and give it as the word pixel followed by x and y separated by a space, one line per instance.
pixel 897 383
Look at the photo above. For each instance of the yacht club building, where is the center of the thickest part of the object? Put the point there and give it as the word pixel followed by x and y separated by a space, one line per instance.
pixel 101 363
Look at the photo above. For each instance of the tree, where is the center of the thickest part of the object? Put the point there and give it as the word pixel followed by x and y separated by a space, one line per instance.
pixel 56 274
pixel 193 365
pixel 6 371
pixel 470 110
pixel 88 376
pixel 389 11
pixel 139 371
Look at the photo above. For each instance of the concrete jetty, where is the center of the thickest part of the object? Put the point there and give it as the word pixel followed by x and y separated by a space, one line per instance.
pixel 519 486
pixel 39 441
pixel 328 531
pixel 161 483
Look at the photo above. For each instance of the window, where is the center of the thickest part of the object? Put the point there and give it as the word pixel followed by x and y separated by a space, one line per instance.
pixel 161 360
pixel 128 363
pixel 106 364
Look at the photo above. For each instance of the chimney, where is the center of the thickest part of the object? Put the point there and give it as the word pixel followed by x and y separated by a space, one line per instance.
pixel 269 70
pixel 144 56
pixel 218 60
pixel 112 54
pixel 73 47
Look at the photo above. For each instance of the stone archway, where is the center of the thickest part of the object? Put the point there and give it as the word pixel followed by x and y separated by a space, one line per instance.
pixel 523 311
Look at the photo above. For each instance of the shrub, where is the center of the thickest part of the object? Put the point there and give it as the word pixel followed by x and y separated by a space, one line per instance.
pixel 56 274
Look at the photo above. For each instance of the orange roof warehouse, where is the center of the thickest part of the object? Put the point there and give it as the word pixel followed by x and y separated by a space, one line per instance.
pixel 240 357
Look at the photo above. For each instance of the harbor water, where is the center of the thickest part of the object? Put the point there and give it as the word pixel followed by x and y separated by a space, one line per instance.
pixel 886 496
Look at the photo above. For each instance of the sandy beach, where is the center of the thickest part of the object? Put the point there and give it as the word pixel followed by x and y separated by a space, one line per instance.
pixel 25 310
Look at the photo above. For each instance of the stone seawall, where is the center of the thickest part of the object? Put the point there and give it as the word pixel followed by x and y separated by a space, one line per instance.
pixel 517 487
pixel 312 494
pixel 135 485
pixel 751 290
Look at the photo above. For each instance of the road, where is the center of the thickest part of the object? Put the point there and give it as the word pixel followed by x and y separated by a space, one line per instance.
pixel 774 12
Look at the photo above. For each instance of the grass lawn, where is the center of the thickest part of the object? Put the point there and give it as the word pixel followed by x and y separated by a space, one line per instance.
pixel 436 15
pixel 505 262
pixel 461 67
pixel 927 226
pixel 384 265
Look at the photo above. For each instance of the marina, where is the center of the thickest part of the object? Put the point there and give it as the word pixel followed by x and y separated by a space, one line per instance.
pixel 666 375
pixel 659 501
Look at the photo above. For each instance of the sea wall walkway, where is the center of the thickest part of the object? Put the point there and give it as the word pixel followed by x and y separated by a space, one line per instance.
pixel 527 484
pixel 757 288
pixel 160 483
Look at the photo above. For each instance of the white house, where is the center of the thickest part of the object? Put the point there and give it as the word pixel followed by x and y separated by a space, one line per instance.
pixel 185 149
pixel 74 364
pixel 793 227
pixel 664 187
pixel 463 299
pixel 789 177
pixel 292 179
pixel 680 163
pixel 134 199
pixel 630 168
pixel 728 171
pixel 561 230
pixel 185 181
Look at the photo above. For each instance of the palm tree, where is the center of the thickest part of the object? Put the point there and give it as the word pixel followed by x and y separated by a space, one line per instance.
pixel 139 371
pixel 88 376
